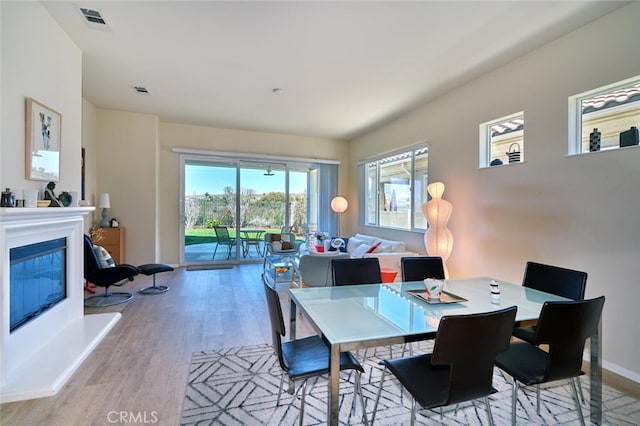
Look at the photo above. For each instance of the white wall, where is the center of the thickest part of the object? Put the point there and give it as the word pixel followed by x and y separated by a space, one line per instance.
pixel 127 150
pixel 38 60
pixel 579 212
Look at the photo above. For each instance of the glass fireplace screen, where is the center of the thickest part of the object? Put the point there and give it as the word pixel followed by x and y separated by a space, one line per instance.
pixel 37 279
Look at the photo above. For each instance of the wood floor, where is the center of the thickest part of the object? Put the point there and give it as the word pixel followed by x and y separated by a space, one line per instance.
pixel 142 365
pixel 140 369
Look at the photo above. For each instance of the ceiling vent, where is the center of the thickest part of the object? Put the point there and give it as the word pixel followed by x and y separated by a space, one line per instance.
pixel 141 90
pixel 93 18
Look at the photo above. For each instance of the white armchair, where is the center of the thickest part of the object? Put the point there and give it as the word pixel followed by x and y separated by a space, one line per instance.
pixel 280 244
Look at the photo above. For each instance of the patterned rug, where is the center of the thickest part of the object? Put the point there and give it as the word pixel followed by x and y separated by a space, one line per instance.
pixel 239 386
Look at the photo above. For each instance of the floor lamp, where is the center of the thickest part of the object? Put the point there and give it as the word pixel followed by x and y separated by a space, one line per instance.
pixel 339 205
pixel 438 239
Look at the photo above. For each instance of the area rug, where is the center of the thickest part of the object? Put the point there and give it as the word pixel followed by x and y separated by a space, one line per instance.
pixel 239 386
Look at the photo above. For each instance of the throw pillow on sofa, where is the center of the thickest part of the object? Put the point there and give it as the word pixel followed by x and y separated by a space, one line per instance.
pixel 363 249
pixel 343 248
pixel 360 251
pixel 374 248
pixel 353 244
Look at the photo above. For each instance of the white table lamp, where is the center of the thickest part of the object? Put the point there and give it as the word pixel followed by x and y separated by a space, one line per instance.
pixel 105 204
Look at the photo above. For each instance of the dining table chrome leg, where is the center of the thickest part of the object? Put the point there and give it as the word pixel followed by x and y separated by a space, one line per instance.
pixel 596 376
pixel 333 408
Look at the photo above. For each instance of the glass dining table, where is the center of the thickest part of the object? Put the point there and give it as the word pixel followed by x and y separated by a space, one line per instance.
pixel 363 316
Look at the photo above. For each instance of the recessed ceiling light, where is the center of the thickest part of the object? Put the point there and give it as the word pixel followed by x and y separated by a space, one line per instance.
pixel 141 90
pixel 278 91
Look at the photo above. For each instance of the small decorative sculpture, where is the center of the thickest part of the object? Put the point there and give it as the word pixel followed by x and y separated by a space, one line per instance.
pixel 50 195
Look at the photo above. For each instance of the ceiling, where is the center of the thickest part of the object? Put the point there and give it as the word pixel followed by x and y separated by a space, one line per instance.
pixel 344 67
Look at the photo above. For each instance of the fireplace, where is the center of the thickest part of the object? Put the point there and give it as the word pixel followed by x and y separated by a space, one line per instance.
pixel 37 280
pixel 44 334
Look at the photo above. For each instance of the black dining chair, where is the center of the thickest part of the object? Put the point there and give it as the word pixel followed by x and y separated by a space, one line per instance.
pixel 563 282
pixel 461 366
pixel 421 267
pixel 307 357
pixel 356 271
pixel 564 327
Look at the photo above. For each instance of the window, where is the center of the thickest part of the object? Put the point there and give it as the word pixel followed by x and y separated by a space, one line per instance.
pixel 502 140
pixel 603 118
pixel 394 188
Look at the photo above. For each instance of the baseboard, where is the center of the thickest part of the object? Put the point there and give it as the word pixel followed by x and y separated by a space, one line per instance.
pixel 617 381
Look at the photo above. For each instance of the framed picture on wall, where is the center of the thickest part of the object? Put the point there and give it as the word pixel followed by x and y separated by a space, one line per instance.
pixel 42 147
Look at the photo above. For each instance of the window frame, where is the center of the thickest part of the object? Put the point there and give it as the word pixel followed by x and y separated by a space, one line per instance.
pixel 370 200
pixel 486 143
pixel 576 116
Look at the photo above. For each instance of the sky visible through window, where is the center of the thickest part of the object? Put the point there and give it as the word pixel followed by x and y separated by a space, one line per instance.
pixel 213 180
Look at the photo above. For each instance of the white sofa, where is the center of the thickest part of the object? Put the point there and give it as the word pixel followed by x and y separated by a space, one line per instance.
pixel 388 252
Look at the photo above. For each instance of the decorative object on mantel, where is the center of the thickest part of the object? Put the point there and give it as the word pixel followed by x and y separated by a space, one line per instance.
pixel 19 196
pixel 496 162
pixel 514 152
pixel 438 239
pixel 50 195
pixel 42 145
pixel 594 140
pixel 30 197
pixel 8 200
pixel 105 205
pixel 65 198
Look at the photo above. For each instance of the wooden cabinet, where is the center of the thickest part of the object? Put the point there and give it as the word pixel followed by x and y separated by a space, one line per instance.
pixel 112 239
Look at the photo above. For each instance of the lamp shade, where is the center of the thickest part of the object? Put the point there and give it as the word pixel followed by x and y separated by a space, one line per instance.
pixel 438 239
pixel 339 204
pixel 105 201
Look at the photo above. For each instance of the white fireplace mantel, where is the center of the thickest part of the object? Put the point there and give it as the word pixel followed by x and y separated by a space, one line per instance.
pixel 37 359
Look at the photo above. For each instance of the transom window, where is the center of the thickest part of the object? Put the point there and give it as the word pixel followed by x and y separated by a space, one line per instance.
pixel 394 188
pixel 502 140
pixel 604 118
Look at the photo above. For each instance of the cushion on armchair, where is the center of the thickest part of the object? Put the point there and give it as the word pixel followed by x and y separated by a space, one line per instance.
pixel 104 258
pixel 280 243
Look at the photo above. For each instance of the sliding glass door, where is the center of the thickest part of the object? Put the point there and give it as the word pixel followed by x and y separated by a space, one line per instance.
pixel 224 224
pixel 209 206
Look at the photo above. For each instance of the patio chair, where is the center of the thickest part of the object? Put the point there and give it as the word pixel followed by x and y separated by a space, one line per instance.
pixel 223 239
